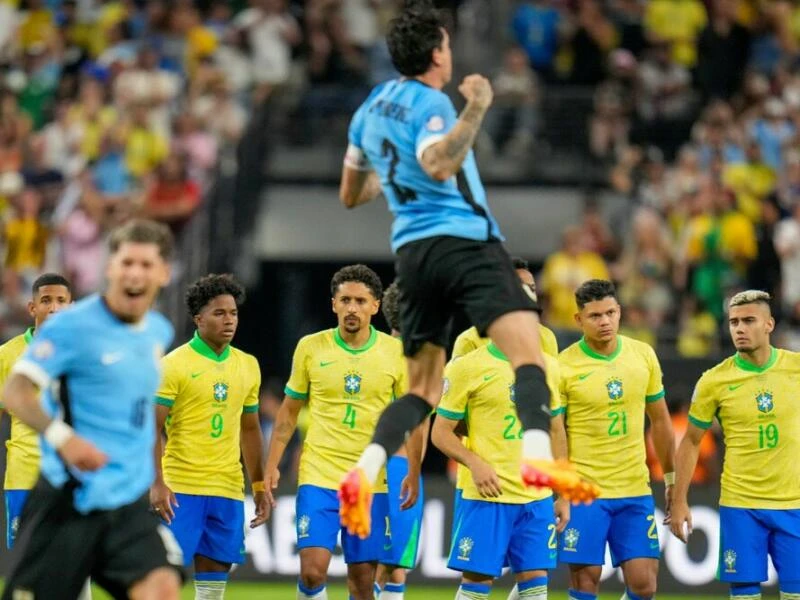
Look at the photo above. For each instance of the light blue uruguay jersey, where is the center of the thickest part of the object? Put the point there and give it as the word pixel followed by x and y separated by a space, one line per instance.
pixel 109 371
pixel 399 120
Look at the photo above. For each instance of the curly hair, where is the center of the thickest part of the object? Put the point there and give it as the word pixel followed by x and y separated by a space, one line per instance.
pixel 390 306
pixel 205 289
pixel 594 290
pixel 413 36
pixel 357 274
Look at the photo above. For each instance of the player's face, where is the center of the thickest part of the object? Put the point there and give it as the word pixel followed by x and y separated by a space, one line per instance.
pixel 136 272
pixel 750 326
pixel 48 300
pixel 218 320
pixel 443 58
pixel 599 320
pixel 355 306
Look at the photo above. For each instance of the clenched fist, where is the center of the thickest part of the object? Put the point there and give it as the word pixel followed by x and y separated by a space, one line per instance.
pixel 477 90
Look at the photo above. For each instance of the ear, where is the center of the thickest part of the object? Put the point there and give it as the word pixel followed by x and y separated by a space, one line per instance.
pixel 166 274
pixel 196 320
pixel 771 324
pixel 376 306
pixel 578 318
pixel 333 305
pixel 31 308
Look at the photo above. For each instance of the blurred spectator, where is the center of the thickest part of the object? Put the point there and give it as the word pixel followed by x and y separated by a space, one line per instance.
pixel 197 144
pixel 699 331
pixel 678 22
pixel 787 244
pixel 595 232
pixel 536 28
pixel 610 123
pixel 723 50
pixel 144 147
pixel 634 325
pixel 172 197
pixel 751 181
pixel 772 131
pixel 90 118
pixel 628 19
pixel 765 271
pixel 26 238
pixel 38 175
pixel 589 41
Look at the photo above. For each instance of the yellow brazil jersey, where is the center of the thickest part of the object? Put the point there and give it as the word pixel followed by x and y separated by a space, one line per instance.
pixel 22 468
pixel 206 394
pixel 346 390
pixel 760 417
pixel 469 340
pixel 479 388
pixel 604 398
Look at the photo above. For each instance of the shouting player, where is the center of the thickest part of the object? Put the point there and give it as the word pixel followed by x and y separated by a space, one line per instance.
pixel 753 395
pixel 208 401
pixel 346 376
pixel 608 384
pixel 89 512
pixel 407 140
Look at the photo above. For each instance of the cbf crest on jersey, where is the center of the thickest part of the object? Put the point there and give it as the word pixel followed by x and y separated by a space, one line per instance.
pixel 764 401
pixel 220 392
pixel 614 388
pixel 352 383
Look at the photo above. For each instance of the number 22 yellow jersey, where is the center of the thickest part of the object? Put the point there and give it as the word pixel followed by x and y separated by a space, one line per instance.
pixel 346 390
pixel 22 462
pixel 605 399
pixel 206 394
pixel 759 412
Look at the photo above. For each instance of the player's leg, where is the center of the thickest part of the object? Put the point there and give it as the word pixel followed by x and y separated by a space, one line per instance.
pixel 317 529
pixel 362 554
pixel 583 547
pixel 162 584
pixel 360 579
pixel 474 586
pixel 784 548
pixel 584 582
pixel 188 524
pixel 533 548
pixel 743 550
pixel 221 545
pixel 633 542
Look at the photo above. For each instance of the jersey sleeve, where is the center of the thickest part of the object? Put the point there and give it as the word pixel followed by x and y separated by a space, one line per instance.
pixel 171 382
pixel 549 342
pixel 553 377
pixel 562 389
pixel 298 384
pixel 251 401
pixel 52 353
pixel 704 403
pixel 435 121
pixel 655 386
pixel 455 391
pixel 464 344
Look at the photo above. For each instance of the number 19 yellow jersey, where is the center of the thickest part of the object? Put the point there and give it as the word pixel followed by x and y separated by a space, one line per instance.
pixel 346 390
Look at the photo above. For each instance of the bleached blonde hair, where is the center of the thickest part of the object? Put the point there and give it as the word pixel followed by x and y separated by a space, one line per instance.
pixel 750 297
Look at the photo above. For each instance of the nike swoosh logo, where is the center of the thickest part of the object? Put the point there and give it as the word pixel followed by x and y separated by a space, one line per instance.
pixel 387 547
pixel 325 364
pixel 196 375
pixel 111 357
pixel 553 555
pixel 487 377
pixel 735 387
pixel 585 375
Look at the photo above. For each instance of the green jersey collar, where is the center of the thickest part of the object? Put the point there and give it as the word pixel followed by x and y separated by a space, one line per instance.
pixel 496 352
pixel 198 345
pixel 28 336
pixel 746 365
pixel 373 337
pixel 591 353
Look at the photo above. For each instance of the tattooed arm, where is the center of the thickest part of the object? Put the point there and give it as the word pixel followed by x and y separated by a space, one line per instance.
pixel 282 432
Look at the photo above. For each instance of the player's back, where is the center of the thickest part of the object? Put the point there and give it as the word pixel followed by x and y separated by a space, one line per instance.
pixel 399 120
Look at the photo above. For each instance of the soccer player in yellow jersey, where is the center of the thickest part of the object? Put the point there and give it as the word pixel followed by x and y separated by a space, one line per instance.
pixel 208 403
pixel 608 383
pixel 346 376
pixel 753 395
pixel 50 293
pixel 499 517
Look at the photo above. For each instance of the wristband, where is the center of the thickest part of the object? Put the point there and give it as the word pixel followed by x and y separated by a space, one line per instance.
pixel 58 433
pixel 258 486
pixel 669 478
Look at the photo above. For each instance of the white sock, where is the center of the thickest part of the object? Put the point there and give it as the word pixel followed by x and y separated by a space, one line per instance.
pixel 514 593
pixel 372 460
pixel 86 592
pixel 209 590
pixel 320 593
pixel 536 444
pixel 790 595
pixel 393 591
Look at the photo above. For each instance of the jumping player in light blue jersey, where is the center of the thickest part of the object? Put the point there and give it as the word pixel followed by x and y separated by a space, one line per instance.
pixel 407 141
pixel 97 365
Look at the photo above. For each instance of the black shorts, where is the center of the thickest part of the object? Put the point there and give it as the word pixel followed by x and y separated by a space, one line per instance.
pixel 441 275
pixel 58 548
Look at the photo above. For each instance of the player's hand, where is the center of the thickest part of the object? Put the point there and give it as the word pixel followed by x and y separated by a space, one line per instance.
pixel 409 492
pixel 477 90
pixel 668 494
pixel 485 479
pixel 262 509
pixel 82 454
pixel 562 510
pixel 680 521
pixel 162 499
pixel 271 484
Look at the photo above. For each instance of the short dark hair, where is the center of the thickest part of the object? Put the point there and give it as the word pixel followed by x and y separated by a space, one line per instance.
pixel 50 279
pixel 593 290
pixel 358 274
pixel 143 231
pixel 205 289
pixel 520 263
pixel 413 36
pixel 390 305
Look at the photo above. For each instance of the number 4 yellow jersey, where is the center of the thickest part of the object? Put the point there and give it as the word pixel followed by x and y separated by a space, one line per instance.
pixel 759 412
pixel 605 399
pixel 206 394
pixel 346 390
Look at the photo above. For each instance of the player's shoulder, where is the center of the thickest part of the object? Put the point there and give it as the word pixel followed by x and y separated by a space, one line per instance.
pixel 570 355
pixel 312 342
pixel 391 343
pixel 719 373
pixel 638 347
pixel 788 358
pixel 245 357
pixel 14 346
pixel 180 354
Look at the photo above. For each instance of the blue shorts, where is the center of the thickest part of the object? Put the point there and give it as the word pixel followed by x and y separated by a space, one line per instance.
pixel 487 532
pixel 404 525
pixel 210 526
pixel 318 525
pixel 15 502
pixel 748 535
pixel 628 525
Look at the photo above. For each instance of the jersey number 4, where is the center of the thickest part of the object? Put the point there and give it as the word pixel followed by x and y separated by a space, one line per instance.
pixel 402 194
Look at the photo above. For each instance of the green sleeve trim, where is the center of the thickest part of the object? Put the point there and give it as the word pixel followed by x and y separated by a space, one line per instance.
pixel 558 411
pixel 251 409
pixel 698 423
pixel 450 414
pixel 655 397
pixel 296 395
pixel 164 401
